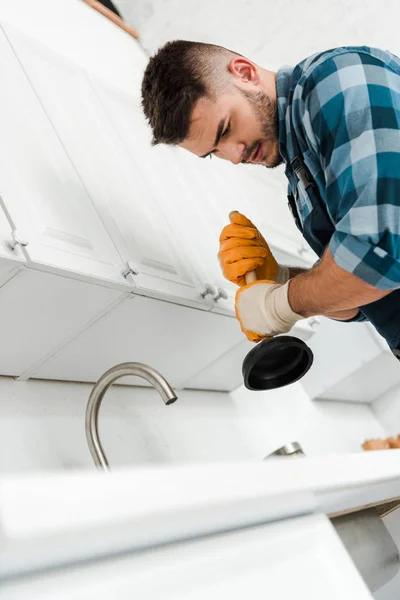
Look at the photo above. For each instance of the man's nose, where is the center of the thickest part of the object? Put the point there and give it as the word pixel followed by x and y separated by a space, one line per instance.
pixel 232 151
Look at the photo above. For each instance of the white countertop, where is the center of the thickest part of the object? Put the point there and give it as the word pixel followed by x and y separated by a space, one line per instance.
pixel 49 519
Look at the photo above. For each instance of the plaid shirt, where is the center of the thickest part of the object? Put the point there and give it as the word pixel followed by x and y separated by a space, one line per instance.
pixel 345 112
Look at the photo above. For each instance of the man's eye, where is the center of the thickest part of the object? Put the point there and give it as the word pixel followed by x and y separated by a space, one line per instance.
pixel 227 130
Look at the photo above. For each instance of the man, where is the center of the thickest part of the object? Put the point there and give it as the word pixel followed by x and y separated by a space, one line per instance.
pixel 334 121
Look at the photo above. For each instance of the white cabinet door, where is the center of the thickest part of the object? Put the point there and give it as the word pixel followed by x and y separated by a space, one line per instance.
pixel 40 189
pixel 198 223
pixel 179 189
pixel 11 259
pixel 41 311
pixel 352 362
pixel 157 187
pixel 175 340
pixel 118 183
pixel 300 558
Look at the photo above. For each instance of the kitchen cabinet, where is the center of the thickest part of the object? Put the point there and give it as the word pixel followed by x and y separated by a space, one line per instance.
pixel 352 362
pixel 197 225
pixel 43 197
pixel 192 349
pixel 297 558
pixel 8 270
pixel 225 372
pixel 172 183
pixel 163 208
pixel 176 340
pixel 41 311
pixel 122 186
pixel 12 257
pixel 81 184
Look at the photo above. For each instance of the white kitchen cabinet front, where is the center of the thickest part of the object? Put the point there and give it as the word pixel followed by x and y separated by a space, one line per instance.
pixel 176 340
pixel 194 196
pixel 299 558
pixel 352 362
pixel 122 185
pixel 12 256
pixel 159 173
pixel 197 224
pixel 41 311
pixel 43 197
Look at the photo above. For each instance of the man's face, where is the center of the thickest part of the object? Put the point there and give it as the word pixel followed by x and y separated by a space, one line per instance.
pixel 240 125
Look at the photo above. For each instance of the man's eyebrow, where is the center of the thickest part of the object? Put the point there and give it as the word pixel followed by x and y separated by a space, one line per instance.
pixel 217 137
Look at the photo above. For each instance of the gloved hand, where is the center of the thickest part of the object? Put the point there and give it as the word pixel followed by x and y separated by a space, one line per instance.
pixel 263 310
pixel 243 249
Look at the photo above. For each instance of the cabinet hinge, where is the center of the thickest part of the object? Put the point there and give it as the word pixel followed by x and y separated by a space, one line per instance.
pixel 17 240
pixel 130 269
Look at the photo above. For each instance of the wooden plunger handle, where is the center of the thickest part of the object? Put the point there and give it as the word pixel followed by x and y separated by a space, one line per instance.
pixel 250 277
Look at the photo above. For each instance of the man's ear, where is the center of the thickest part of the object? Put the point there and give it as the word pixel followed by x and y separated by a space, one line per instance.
pixel 244 70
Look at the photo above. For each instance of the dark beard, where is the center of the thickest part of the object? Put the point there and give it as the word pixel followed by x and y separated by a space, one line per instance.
pixel 266 113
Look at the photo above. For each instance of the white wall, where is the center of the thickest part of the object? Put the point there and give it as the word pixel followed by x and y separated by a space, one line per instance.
pixel 42 425
pixel 387 410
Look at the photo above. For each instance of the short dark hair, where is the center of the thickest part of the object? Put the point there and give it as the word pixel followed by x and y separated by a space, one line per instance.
pixel 176 77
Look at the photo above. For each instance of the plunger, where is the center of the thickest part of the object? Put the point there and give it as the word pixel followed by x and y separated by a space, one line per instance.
pixel 276 361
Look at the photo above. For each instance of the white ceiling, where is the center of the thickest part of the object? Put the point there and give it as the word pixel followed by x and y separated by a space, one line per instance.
pixel 271 32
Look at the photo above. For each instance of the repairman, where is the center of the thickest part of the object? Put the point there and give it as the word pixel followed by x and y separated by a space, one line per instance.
pixel 333 121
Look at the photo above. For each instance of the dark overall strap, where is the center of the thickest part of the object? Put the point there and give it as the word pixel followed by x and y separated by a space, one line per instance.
pixel 303 174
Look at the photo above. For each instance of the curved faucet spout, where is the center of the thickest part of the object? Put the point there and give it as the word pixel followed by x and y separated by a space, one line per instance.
pixel 98 392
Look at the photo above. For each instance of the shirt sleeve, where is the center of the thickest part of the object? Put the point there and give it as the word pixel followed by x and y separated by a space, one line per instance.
pixel 351 118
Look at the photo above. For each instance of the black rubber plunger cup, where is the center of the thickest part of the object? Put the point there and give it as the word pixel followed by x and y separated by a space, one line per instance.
pixel 275 362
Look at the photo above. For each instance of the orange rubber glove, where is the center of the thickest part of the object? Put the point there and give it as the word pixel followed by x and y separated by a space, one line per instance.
pixel 243 248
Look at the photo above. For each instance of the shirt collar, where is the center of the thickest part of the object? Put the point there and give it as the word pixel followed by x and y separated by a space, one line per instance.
pixel 283 86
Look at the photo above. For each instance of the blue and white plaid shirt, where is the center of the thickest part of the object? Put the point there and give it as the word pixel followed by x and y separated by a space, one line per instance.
pixel 345 112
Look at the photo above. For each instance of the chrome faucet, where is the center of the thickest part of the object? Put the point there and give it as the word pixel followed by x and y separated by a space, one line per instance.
pixel 98 393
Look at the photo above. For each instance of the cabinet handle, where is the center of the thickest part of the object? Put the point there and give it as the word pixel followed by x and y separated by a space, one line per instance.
pixel 130 269
pixel 208 291
pixel 221 294
pixel 18 240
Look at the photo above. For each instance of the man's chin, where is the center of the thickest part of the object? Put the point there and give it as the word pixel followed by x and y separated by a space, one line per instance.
pixel 275 163
pixel 274 159
pixel 269 163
